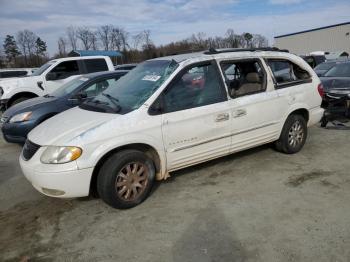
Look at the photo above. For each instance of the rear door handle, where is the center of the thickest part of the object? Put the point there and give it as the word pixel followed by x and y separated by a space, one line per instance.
pixel 240 112
pixel 222 117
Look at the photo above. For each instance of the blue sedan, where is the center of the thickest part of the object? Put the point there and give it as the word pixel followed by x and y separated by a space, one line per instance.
pixel 20 119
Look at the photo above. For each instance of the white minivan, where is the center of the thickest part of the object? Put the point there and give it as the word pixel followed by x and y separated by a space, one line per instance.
pixel 169 113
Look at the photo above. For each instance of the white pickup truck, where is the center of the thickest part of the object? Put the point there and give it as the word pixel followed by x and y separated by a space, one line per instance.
pixel 50 76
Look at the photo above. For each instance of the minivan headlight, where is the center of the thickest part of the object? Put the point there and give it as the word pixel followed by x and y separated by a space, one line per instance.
pixel 21 117
pixel 60 154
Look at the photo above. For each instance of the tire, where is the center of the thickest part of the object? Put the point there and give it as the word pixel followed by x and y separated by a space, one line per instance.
pixel 293 135
pixel 324 121
pixel 19 100
pixel 121 183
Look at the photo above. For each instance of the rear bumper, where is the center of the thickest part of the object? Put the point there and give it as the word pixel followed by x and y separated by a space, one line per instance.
pixel 315 115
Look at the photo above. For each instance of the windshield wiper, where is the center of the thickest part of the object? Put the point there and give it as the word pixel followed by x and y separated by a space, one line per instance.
pixel 114 100
pixel 97 102
pixel 48 95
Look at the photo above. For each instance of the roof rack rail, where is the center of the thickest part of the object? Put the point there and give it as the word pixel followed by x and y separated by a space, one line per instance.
pixel 213 51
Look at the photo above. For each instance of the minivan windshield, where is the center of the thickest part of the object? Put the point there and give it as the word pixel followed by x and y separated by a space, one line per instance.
pixel 69 87
pixel 132 90
pixel 42 69
pixel 339 70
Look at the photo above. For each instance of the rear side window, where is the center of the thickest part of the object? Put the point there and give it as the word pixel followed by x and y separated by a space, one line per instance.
pixel 12 74
pixel 244 77
pixel 95 65
pixel 285 72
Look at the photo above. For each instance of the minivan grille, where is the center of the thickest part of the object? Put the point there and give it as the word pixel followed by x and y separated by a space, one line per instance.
pixel 29 149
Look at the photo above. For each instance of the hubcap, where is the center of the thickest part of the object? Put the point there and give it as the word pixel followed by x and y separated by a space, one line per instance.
pixel 296 134
pixel 131 181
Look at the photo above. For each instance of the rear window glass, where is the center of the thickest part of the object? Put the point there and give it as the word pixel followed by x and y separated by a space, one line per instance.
pixel 95 65
pixel 324 66
pixel 339 70
pixel 285 71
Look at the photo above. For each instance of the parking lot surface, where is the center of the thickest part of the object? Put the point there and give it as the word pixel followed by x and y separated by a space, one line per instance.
pixel 257 205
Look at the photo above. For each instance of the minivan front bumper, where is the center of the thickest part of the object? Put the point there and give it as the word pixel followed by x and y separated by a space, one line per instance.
pixel 57 183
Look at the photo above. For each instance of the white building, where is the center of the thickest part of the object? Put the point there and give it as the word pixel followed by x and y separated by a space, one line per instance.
pixel 333 38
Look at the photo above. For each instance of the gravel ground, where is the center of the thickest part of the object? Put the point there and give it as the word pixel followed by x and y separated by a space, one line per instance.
pixel 258 205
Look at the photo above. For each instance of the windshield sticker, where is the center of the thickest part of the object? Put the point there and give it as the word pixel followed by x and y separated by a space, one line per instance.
pixel 84 79
pixel 152 78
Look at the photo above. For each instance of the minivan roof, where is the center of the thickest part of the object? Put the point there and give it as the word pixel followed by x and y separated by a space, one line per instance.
pixel 78 58
pixel 222 53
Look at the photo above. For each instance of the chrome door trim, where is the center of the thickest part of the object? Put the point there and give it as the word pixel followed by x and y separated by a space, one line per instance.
pixel 222 137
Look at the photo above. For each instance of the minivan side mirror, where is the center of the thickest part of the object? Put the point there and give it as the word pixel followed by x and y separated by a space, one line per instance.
pixel 51 76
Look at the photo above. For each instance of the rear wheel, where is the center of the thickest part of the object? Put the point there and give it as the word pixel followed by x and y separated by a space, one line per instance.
pixel 126 179
pixel 293 135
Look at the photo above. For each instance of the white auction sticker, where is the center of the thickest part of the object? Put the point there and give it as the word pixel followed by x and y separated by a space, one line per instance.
pixel 152 78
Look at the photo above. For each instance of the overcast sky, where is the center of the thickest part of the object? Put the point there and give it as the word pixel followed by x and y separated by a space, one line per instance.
pixel 170 20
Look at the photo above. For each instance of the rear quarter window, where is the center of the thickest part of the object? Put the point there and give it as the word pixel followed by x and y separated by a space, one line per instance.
pixel 95 65
pixel 287 72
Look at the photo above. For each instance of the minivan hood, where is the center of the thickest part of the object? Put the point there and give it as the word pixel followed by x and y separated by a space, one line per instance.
pixel 60 129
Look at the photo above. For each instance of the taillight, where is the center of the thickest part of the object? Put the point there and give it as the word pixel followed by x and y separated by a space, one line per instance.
pixel 320 90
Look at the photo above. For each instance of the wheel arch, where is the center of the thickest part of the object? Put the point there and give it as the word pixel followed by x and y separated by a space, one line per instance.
pixel 150 151
pixel 301 111
pixel 21 94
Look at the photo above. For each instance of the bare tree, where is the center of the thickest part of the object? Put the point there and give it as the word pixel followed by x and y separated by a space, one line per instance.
pixel 84 35
pixel 232 39
pixel 72 37
pixel 93 40
pixel 124 37
pixel 26 40
pixel 115 39
pixel 259 41
pixel 62 45
pixel 137 40
pixel 104 34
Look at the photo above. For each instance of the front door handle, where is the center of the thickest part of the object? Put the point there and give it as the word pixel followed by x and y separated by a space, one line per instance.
pixel 240 112
pixel 40 85
pixel 222 117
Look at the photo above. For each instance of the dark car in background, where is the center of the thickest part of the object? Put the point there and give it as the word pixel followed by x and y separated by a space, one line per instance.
pixel 314 60
pixel 336 86
pixel 323 68
pixel 20 119
pixel 336 78
pixel 127 67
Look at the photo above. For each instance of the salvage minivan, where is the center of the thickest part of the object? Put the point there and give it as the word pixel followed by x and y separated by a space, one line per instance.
pixel 170 113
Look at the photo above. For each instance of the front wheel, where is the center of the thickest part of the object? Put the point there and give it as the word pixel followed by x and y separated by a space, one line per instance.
pixel 126 179
pixel 293 135
pixel 19 100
